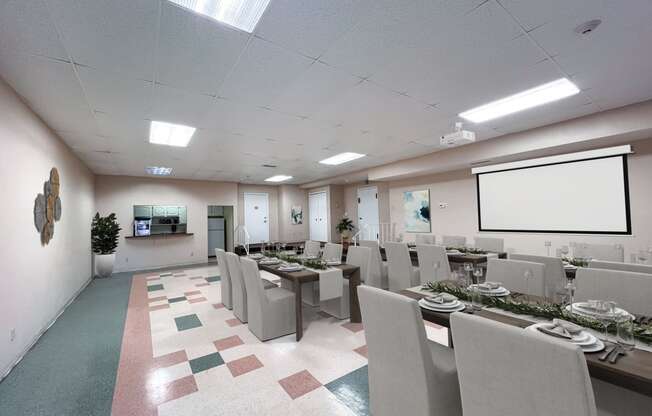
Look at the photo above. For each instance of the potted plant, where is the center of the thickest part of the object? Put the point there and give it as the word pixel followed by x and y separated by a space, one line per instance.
pixel 104 241
pixel 345 227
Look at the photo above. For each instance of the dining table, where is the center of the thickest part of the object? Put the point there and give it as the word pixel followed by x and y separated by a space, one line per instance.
pixel 301 277
pixel 455 257
pixel 632 371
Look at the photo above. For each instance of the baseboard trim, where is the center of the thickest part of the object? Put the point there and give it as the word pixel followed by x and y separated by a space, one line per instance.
pixel 38 336
pixel 164 266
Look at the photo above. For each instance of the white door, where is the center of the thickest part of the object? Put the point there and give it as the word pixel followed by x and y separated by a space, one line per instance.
pixel 368 219
pixel 318 211
pixel 256 216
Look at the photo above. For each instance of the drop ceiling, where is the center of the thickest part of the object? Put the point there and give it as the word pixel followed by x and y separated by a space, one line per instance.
pixel 316 78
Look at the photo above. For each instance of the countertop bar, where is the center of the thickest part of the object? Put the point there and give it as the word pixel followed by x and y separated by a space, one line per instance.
pixel 166 235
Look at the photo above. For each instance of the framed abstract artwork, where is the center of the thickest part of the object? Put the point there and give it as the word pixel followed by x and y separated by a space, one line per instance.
pixel 416 211
pixel 296 215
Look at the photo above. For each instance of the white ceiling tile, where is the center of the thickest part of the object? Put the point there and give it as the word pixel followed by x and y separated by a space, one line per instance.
pixel 195 52
pixel 262 73
pixel 112 35
pixel 178 106
pixel 25 26
pixel 112 126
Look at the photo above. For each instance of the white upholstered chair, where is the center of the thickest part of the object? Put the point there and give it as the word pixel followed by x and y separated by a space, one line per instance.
pixel 225 279
pixel 238 288
pixel 312 248
pixel 453 241
pixel 513 275
pixel 605 252
pixel 433 263
pixel 555 276
pixel 425 239
pixel 505 370
pixel 400 272
pixel 490 244
pixel 340 307
pixel 270 313
pixel 377 267
pixel 631 291
pixel 332 251
pixel 623 267
pixel 408 375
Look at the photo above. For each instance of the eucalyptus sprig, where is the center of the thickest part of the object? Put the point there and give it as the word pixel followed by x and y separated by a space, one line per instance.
pixel 467 250
pixel 545 310
pixel 310 263
pixel 576 261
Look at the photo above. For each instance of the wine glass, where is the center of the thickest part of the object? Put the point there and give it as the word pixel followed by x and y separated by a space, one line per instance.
pixel 570 293
pixel 476 299
pixel 607 317
pixel 564 251
pixel 468 268
pixel 478 273
pixel 625 333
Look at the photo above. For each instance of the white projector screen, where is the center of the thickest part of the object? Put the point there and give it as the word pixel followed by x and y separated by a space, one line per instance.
pixel 584 197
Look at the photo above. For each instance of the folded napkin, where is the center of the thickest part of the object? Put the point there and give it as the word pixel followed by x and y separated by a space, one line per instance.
pixel 331 284
pixel 490 285
pixel 561 329
pixel 441 298
pixel 572 328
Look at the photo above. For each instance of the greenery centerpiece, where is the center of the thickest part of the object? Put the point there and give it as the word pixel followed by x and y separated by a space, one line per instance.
pixel 545 310
pixel 317 264
pixel 467 250
pixel 576 261
pixel 104 241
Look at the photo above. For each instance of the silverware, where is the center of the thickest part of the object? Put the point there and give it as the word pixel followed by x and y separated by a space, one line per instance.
pixel 607 353
pixel 616 355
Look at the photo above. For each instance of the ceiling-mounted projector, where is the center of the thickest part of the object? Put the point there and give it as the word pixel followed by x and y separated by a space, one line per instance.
pixel 458 137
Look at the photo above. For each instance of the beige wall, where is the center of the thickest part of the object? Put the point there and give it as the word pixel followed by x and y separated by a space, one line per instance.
pixel 37 281
pixel 289 196
pixel 458 190
pixel 272 192
pixel 120 193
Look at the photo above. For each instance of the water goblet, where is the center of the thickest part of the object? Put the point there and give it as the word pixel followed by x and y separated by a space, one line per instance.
pixel 625 333
pixel 468 268
pixel 476 298
pixel 478 273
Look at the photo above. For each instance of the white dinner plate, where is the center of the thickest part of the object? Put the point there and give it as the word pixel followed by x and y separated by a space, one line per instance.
pixel 270 262
pixel 333 263
pixel 585 339
pixel 597 347
pixel 426 305
pixel 577 309
pixel 500 292
pixel 449 305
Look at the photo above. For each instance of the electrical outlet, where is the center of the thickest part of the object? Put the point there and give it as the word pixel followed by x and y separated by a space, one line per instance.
pixel 443 205
pixel 12 335
pixel 126 259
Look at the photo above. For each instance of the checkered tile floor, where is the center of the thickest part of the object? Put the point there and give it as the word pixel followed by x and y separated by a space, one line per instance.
pixel 217 367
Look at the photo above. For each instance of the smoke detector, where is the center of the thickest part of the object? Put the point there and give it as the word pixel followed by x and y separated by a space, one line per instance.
pixel 458 137
pixel 587 28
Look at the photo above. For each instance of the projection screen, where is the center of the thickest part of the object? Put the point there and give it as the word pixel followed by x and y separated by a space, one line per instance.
pixel 588 196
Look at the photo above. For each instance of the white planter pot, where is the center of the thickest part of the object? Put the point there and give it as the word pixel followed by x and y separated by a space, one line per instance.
pixel 104 264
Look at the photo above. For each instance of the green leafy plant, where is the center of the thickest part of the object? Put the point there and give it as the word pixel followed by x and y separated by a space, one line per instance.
pixel 345 225
pixel 467 250
pixel 539 309
pixel 104 234
pixel 576 261
pixel 310 263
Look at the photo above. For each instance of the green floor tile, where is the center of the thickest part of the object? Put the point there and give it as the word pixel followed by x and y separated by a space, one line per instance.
pixel 154 287
pixel 187 322
pixel 212 279
pixel 353 390
pixel 179 299
pixel 206 362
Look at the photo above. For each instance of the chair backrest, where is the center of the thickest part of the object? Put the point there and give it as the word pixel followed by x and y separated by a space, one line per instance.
pixel 453 241
pixel 433 263
pixel 399 266
pixel 332 251
pixel 555 275
pixel 512 273
pixel 606 252
pixel 425 239
pixel 631 291
pixel 623 267
pixel 312 248
pixel 238 289
pixel 225 277
pixel 361 257
pixel 254 284
pixel 505 370
pixel 375 273
pixel 490 244
pixel 401 370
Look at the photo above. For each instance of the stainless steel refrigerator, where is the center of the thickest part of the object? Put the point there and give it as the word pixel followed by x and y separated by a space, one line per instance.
pixel 216 235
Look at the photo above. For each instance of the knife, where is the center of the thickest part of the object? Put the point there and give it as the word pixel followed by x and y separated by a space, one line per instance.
pixel 616 355
pixel 607 353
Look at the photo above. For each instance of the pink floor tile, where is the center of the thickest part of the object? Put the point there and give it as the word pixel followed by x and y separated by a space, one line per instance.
pixel 170 359
pixel 353 327
pixel 192 292
pixel 156 299
pixel 173 390
pixel 218 305
pixel 233 322
pixel 244 365
pixel 299 384
pixel 196 277
pixel 159 307
pixel 432 325
pixel 196 300
pixel 362 351
pixel 203 284
pixel 149 279
pixel 226 343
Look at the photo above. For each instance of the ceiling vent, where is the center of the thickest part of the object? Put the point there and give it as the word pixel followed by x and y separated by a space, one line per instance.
pixel 269 166
pixel 587 28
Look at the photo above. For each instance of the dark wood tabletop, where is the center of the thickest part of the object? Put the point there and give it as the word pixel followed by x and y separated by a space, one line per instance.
pixel 452 258
pixel 632 371
pixel 350 272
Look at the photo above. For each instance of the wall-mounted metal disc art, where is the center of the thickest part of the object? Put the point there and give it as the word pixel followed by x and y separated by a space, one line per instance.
pixel 47 207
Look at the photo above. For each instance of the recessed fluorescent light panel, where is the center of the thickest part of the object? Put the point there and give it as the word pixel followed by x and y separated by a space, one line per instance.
pixel 278 178
pixel 158 170
pixel 342 158
pixel 543 94
pixel 242 14
pixel 170 134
